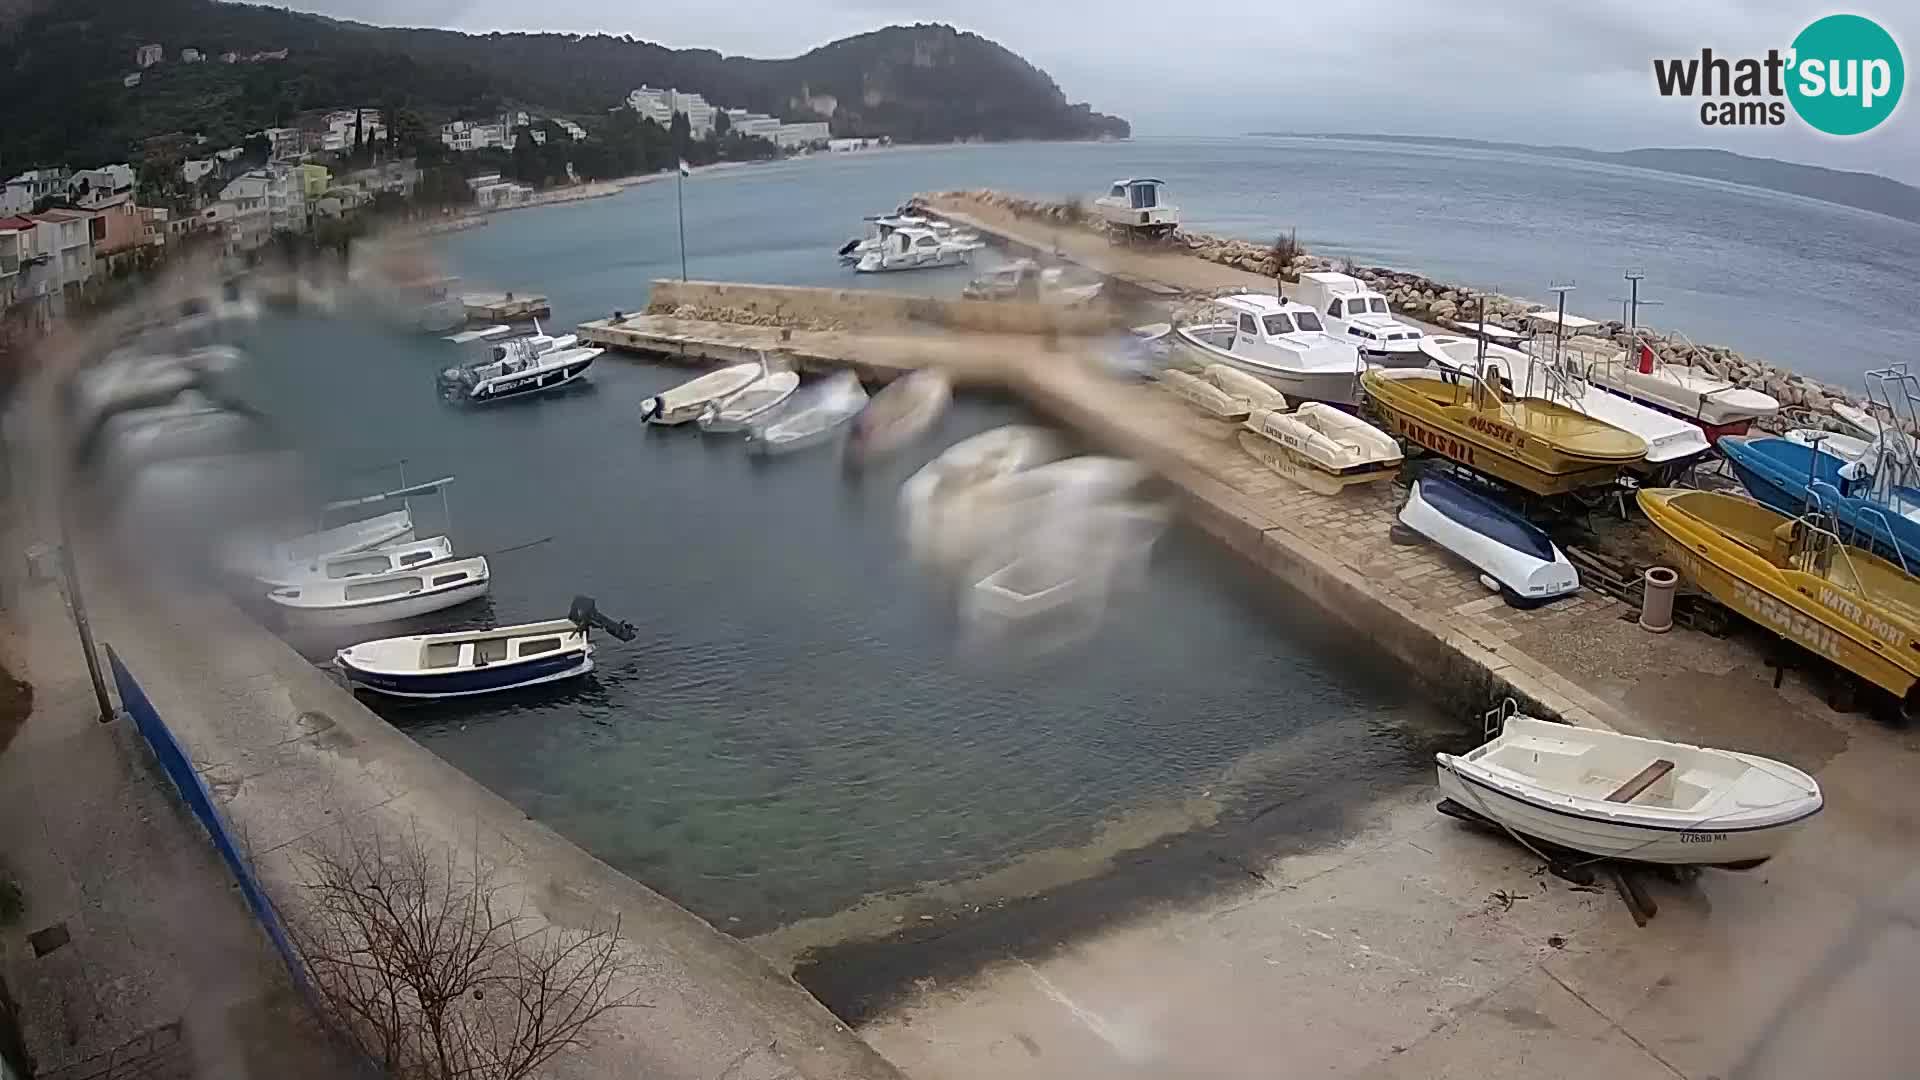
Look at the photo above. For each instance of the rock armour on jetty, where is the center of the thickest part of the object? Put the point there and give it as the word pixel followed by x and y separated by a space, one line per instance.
pixel 1807 402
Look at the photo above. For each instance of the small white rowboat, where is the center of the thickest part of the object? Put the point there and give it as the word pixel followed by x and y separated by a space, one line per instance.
pixel 1258 393
pixel 901 412
pixel 1623 797
pixel 1204 396
pixel 753 405
pixel 688 400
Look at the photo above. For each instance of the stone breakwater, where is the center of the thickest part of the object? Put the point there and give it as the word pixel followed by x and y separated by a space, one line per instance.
pixel 1807 402
pixel 741 317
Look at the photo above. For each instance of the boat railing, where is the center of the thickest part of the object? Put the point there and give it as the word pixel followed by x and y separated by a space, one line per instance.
pixel 1494 720
pixel 1818 490
pixel 1816 545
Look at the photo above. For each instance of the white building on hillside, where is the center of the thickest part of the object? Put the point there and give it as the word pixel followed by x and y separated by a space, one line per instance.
pixel 655 105
pixel 342 123
pixel 98 189
pixel 148 55
pixel 465 135
pixel 195 170
pixel 794 136
pixel 574 131
pixel 758 125
pixel 191 56
pixel 660 105
pixel 30 187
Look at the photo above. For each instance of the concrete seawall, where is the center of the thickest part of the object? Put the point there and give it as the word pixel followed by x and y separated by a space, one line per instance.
pixel 293 760
pixel 869 310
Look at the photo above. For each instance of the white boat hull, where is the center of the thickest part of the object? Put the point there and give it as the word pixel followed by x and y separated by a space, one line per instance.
pixel 1615 840
pixel 393 610
pixel 1527 576
pixel 585 666
pixel 688 400
pixel 1334 387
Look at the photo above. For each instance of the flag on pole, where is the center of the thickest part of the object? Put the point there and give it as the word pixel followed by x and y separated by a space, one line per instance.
pixel 685 169
pixel 1646 359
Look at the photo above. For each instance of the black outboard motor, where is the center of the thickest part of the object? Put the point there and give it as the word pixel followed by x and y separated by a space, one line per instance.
pixel 585 615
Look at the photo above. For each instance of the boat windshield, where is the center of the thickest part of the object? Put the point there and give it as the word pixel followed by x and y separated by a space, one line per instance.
pixel 1308 320
pixel 1278 325
pixel 1378 305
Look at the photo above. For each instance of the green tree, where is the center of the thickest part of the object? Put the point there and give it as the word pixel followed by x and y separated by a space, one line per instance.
pixel 682 132
pixel 722 124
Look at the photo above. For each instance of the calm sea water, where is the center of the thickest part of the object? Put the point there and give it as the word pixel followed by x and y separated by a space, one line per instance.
pixel 1819 288
pixel 795 729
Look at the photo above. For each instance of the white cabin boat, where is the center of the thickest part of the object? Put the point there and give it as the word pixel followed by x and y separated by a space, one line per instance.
pixel 1624 797
pixel 902 412
pixel 1341 448
pixel 691 398
pixel 813 417
pixel 756 404
pixel 1137 207
pixel 882 226
pixel 378 598
pixel 1714 403
pixel 1670 440
pixel 391 558
pixel 1281 342
pixel 1355 311
pixel 916 247
pixel 518 367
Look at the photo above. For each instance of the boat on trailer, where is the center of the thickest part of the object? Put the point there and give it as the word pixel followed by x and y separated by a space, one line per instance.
pixel 1513 553
pixel 1623 797
pixel 1795 577
pixel 1320 447
pixel 1539 446
pixel 470 662
pixel 1137 209
pixel 1719 406
pixel 378 598
pixel 1279 342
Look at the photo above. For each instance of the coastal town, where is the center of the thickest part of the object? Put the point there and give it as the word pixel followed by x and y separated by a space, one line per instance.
pixel 1035 603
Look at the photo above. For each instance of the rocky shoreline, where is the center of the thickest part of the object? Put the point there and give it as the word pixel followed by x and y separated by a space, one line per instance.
pixel 1805 402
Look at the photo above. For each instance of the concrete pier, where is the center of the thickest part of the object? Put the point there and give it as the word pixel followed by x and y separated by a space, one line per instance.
pixel 506 307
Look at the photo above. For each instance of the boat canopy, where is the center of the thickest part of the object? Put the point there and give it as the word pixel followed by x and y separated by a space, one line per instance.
pixel 1570 323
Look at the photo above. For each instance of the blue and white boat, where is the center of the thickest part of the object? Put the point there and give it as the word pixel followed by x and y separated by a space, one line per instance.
pixel 1512 552
pixel 1877 512
pixel 470 662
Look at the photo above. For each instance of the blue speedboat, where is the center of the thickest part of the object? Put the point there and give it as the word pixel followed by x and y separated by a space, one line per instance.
pixel 1793 478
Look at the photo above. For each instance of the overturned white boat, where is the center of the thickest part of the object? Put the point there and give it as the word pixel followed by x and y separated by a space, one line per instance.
pixel 756 404
pixel 470 662
pixel 1257 393
pixel 1281 342
pixel 378 598
pixel 691 398
pixel 405 555
pixel 1513 553
pixel 902 412
pixel 813 417
pixel 1624 797
pixel 1204 396
pixel 1320 447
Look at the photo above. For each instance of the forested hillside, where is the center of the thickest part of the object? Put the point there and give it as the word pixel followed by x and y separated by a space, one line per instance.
pixel 62 63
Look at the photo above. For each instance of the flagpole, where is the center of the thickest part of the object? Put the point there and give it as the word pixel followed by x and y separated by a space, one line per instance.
pixel 680 200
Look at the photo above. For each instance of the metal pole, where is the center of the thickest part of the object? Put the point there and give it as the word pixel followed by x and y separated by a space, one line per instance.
pixel 70 571
pixel 680 199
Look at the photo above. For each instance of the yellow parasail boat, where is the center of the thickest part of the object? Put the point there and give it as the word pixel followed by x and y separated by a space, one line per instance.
pixel 1796 578
pixel 1537 445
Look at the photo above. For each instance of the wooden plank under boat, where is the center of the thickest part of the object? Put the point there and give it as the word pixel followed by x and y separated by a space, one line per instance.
pixel 1796 579
pixel 1539 446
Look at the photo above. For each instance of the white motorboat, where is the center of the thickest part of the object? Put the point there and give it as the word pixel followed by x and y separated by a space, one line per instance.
pixel 902 412
pixel 1714 403
pixel 916 247
pixel 378 598
pixel 1256 392
pixel 469 662
pixel 284 560
pixel 813 417
pixel 1670 440
pixel 1280 342
pixel 1137 207
pixel 1360 314
pixel 1204 396
pixel 688 400
pixel 1321 447
pixel 1515 555
pixel 756 404
pixel 882 226
pixel 933 497
pixel 388 559
pixel 1844 447
pixel 984 519
pixel 519 367
pixel 1623 797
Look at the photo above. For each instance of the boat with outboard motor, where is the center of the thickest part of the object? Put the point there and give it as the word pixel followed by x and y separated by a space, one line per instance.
pixel 517 367
pixel 470 662
pixel 1514 554
pixel 756 404
pixel 691 398
pixel 1539 446
pixel 1623 797
pixel 1280 342
pixel 1794 576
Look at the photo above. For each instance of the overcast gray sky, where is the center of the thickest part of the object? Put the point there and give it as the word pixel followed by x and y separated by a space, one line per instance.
pixel 1571 71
